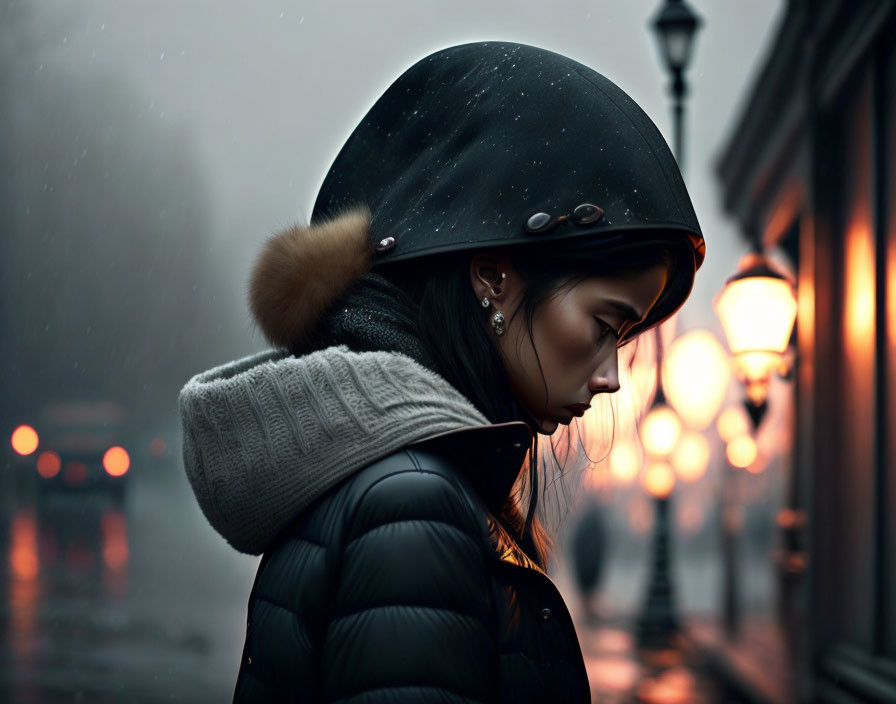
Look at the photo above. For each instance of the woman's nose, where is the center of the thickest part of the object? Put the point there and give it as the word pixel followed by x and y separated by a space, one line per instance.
pixel 605 379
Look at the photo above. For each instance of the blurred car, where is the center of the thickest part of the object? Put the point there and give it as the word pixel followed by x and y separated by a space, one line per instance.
pixel 76 446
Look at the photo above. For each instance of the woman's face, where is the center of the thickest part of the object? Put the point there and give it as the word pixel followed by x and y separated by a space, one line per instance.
pixel 575 333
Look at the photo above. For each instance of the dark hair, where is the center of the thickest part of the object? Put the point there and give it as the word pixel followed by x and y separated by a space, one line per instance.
pixel 455 332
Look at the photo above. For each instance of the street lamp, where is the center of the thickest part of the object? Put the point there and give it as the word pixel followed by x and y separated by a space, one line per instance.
pixel 661 428
pixel 659 432
pixel 696 373
pixel 675 25
pixel 757 308
pixel 658 623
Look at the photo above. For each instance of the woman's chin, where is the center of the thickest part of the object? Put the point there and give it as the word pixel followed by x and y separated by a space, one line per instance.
pixel 545 426
pixel 548 427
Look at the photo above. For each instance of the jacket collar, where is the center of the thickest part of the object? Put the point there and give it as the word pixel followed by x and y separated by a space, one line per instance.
pixel 500 448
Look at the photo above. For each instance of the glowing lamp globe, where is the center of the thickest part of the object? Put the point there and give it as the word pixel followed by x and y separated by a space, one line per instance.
pixel 732 422
pixel 696 372
pixel 741 451
pixel 757 308
pixel 660 431
pixel 691 456
pixel 659 479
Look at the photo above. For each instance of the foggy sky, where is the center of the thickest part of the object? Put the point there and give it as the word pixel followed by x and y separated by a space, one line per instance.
pixel 268 92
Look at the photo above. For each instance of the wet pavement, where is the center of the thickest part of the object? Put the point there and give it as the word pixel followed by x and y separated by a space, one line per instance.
pixel 622 674
pixel 103 601
pixel 141 601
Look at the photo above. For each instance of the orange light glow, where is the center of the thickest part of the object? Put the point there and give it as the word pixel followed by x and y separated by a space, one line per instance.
pixel 660 431
pixel 625 460
pixel 659 479
pixel 732 422
pixel 616 673
pixel 24 440
pixel 741 451
pixel 755 370
pixel 115 540
pixel 671 685
pixel 612 640
pixel 691 456
pixel 891 291
pixel 859 321
pixel 23 549
pixel 757 314
pixel 806 302
pixel 157 447
pixel 116 461
pixel 75 472
pixel 759 463
pixel 48 464
pixel 696 372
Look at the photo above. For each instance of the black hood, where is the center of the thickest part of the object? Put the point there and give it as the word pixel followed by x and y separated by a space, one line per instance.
pixel 473 140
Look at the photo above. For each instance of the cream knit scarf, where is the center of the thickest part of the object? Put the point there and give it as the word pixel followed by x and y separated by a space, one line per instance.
pixel 267 435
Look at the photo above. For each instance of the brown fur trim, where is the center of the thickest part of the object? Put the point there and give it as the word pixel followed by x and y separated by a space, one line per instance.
pixel 302 270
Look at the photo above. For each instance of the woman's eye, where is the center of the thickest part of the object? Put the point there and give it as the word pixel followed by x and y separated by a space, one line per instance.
pixel 605 329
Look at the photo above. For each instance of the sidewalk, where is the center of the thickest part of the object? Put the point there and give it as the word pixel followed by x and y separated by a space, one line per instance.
pixel 757 662
pixel 621 674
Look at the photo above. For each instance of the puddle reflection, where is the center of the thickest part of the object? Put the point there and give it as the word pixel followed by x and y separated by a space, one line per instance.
pixel 63 560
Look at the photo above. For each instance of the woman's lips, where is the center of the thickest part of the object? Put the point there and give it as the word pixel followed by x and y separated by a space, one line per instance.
pixel 578 409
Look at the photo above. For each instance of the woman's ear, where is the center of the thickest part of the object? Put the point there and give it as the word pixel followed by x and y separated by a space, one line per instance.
pixel 488 275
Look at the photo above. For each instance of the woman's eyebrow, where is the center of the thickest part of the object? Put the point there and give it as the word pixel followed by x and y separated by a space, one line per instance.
pixel 624 308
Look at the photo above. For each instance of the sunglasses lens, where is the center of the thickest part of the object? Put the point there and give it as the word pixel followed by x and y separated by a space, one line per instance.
pixel 587 213
pixel 539 222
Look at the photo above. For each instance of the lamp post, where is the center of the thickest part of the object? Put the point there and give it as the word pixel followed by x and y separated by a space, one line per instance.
pixel 659 432
pixel 675 25
pixel 696 373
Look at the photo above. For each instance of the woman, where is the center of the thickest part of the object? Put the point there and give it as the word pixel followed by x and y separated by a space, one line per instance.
pixel 499 223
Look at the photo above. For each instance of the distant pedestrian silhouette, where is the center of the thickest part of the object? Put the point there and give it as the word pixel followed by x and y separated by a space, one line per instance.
pixel 588 545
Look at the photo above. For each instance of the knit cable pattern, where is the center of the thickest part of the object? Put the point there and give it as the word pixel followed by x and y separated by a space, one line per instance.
pixel 266 435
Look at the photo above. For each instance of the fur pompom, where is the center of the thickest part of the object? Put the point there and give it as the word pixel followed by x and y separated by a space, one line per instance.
pixel 302 270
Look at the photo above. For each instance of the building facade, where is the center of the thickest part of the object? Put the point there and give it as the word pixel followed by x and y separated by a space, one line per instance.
pixel 810 169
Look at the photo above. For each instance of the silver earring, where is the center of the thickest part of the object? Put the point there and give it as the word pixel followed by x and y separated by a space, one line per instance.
pixel 498 323
pixel 485 302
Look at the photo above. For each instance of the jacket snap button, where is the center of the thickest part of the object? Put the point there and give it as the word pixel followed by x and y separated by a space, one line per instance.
pixel 545 614
pixel 248 661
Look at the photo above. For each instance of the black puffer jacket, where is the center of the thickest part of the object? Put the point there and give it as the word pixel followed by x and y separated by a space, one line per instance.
pixel 398 585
